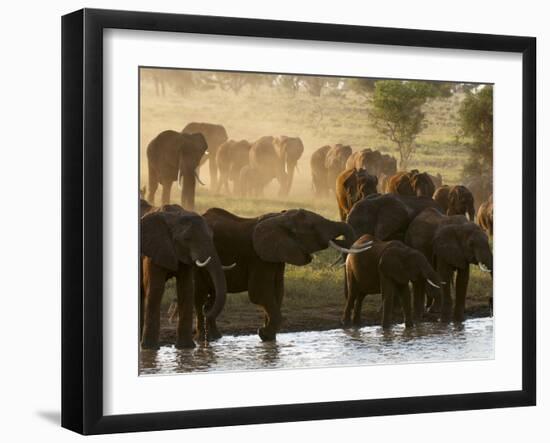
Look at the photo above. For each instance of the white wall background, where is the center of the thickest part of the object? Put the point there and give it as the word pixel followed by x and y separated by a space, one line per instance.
pixel 30 222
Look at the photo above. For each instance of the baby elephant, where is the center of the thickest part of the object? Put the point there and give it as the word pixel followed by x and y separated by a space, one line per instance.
pixel 387 268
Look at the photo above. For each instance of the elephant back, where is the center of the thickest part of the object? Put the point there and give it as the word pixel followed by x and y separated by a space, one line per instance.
pixel 214 134
pixel 232 234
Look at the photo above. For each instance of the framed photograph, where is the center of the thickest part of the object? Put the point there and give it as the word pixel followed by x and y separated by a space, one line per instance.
pixel 269 221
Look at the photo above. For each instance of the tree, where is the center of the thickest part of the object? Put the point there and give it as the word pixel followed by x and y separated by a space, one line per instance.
pixel 397 112
pixel 289 83
pixel 232 80
pixel 313 85
pixel 476 120
pixel 363 86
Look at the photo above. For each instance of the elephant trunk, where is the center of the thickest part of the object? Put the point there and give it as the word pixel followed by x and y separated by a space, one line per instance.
pixel 345 230
pixel 290 167
pixel 181 166
pixel 471 212
pixel 215 270
pixel 484 259
pixel 432 278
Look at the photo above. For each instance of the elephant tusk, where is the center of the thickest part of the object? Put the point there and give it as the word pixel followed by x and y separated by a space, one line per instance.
pixel 362 248
pixel 432 283
pixel 197 177
pixel 483 267
pixel 179 179
pixel 204 263
pixel 337 261
pixel 229 267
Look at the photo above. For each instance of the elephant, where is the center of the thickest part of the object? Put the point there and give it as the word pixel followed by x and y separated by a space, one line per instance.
pixel 388 165
pixel 289 149
pixel 335 163
pixel 374 162
pixel 411 183
pixel 437 180
pixel 387 216
pixel 173 242
pixel 264 158
pixel 455 200
pixel 351 186
pixel 452 243
pixel 387 268
pixel 481 187
pixel 231 157
pixel 366 159
pixel 173 156
pixel 319 175
pixel 260 247
pixel 485 216
pixel 388 168
pixel 251 182
pixel 214 135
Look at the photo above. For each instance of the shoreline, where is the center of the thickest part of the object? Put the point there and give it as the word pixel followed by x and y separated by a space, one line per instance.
pixel 312 324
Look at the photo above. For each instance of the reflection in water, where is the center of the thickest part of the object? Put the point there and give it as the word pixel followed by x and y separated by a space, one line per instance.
pixel 472 340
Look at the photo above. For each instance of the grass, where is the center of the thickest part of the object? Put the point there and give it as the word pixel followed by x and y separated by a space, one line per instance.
pixel 314 294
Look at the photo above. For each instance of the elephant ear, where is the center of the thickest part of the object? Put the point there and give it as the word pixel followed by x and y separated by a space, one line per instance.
pixel 391 265
pixel 447 246
pixel 274 240
pixel 156 241
pixel 392 218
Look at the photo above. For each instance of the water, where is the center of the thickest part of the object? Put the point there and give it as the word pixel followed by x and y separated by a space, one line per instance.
pixel 371 345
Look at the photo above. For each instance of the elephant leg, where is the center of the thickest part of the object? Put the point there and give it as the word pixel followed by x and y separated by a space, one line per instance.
pixel 462 278
pixel 446 273
pixel 388 289
pixel 262 290
pixel 274 319
pixel 153 185
pixel 357 307
pixel 405 298
pixel 166 189
pixel 419 291
pixel 213 168
pixel 154 279
pixel 351 292
pixel 343 213
pixel 185 291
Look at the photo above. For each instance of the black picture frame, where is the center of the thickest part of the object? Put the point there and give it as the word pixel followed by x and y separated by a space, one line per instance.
pixel 82 218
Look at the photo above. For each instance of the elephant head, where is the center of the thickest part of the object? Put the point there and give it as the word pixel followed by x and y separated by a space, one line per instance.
pixel 403 264
pixel 292 236
pixel 462 244
pixel 193 148
pixel 171 235
pixel 422 184
pixel 461 201
pixel 290 149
